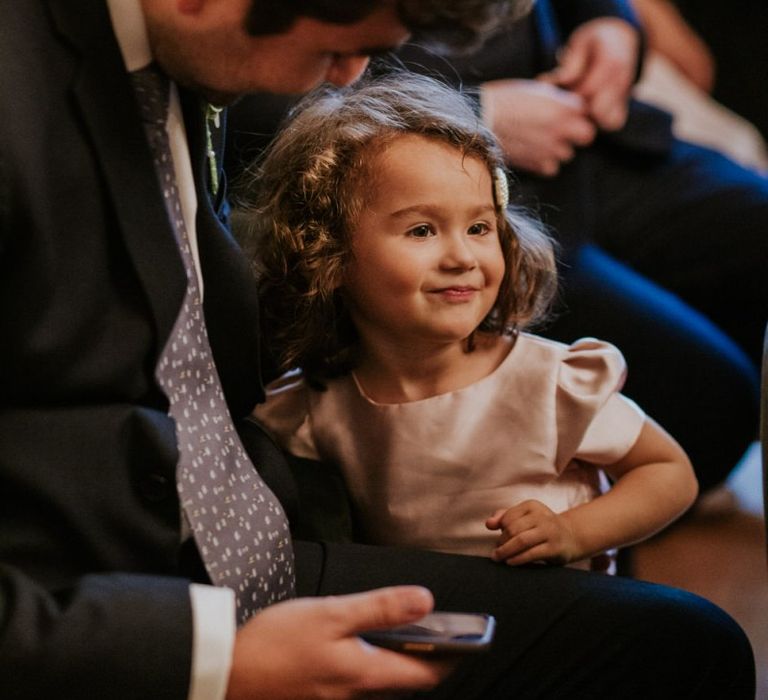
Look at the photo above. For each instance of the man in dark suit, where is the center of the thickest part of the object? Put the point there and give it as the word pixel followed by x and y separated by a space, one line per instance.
pixel 96 598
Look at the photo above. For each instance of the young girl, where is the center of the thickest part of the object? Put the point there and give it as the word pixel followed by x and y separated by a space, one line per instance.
pixel 397 278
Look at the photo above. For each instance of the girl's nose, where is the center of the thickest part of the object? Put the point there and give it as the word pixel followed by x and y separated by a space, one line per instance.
pixel 458 253
pixel 345 70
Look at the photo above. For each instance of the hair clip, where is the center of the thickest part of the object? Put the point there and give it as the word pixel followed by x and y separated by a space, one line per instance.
pixel 500 188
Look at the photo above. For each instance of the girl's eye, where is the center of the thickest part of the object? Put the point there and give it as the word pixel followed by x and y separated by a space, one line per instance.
pixel 421 231
pixel 478 229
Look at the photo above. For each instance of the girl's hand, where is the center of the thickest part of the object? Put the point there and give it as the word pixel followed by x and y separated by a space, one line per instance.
pixel 531 532
pixel 653 484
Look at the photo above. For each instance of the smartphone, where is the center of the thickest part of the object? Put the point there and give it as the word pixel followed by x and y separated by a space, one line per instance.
pixel 438 633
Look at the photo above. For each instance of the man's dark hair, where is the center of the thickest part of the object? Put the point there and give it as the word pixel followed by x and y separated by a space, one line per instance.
pixel 442 24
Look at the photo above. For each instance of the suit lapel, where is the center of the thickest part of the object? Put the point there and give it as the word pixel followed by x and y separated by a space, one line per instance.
pixel 231 300
pixel 104 95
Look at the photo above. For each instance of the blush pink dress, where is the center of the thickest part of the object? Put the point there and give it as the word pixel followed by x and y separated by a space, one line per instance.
pixel 428 473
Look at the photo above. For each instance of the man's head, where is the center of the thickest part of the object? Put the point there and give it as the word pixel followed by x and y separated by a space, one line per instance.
pixel 442 23
pixel 226 48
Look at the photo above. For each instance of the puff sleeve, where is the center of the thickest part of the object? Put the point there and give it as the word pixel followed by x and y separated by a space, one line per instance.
pixel 596 423
pixel 286 415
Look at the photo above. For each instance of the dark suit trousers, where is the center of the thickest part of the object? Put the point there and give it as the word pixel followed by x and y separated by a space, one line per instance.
pixel 561 633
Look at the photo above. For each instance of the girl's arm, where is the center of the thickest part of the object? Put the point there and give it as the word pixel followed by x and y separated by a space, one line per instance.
pixel 654 485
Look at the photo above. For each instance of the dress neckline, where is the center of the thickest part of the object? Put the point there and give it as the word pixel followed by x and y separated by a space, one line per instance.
pixel 511 340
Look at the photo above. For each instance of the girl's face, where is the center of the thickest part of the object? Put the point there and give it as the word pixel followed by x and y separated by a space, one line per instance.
pixel 427 262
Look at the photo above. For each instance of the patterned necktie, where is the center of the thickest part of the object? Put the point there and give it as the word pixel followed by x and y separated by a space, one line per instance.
pixel 240 529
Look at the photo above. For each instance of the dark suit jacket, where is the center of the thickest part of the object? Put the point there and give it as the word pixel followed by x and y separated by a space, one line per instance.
pixel 91 604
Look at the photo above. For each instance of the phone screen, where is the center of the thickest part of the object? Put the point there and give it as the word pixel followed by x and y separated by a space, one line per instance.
pixel 438 632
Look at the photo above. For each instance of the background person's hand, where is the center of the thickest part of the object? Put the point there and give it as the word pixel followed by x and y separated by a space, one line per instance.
pixel 668 33
pixel 309 648
pixel 532 532
pixel 599 63
pixel 538 125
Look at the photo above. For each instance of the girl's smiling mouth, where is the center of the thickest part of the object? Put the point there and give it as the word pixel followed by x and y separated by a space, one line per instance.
pixel 455 293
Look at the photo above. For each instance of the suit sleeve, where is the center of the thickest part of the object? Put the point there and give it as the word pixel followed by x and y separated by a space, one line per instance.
pixel 109 636
pixel 572 13
pixel 85 489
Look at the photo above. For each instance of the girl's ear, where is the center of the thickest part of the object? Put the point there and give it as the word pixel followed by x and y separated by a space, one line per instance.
pixel 334 278
pixel 336 282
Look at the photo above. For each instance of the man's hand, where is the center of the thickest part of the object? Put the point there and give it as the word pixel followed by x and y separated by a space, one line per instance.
pixel 531 532
pixel 599 63
pixel 309 648
pixel 538 125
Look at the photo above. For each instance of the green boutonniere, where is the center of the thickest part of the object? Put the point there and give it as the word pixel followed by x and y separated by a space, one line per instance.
pixel 212 116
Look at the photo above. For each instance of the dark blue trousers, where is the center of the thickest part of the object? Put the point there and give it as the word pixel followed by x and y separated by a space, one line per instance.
pixel 561 633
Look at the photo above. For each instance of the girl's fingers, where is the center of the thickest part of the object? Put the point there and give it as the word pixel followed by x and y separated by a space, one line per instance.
pixel 494 522
pixel 538 554
pixel 519 543
pixel 503 516
pixel 515 527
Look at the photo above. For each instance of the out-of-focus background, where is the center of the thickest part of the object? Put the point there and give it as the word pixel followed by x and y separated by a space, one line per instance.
pixel 718 551
pixel 737 36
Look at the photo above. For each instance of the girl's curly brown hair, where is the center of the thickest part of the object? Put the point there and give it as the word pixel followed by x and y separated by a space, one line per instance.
pixel 305 196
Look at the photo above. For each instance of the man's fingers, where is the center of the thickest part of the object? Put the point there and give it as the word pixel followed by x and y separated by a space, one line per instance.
pixel 392 670
pixel 582 132
pixel 609 110
pixel 381 608
pixel 573 64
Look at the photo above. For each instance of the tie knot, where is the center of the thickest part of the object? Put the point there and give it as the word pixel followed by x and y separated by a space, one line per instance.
pixel 152 91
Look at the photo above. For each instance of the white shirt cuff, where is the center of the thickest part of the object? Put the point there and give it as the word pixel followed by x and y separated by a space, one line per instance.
pixel 213 620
